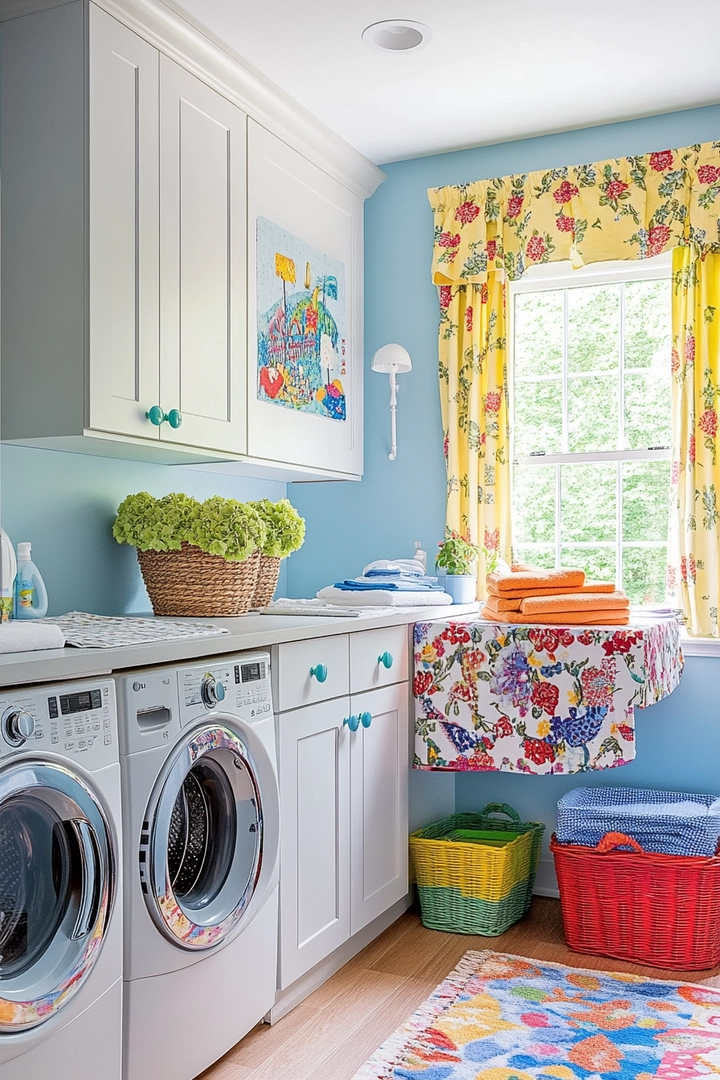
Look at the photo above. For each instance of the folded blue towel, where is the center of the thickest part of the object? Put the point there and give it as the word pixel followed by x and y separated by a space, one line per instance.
pixel 353 585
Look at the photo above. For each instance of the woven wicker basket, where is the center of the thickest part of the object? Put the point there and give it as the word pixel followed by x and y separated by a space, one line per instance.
pixel 189 582
pixel 267 579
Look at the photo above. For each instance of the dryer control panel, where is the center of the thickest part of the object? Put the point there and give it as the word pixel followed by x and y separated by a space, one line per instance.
pixel 77 720
pixel 239 685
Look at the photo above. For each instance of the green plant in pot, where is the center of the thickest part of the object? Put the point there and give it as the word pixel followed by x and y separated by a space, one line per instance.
pixel 458 557
pixel 197 558
pixel 284 533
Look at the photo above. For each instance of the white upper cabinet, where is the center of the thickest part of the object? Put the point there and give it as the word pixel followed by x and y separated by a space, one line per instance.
pixel 124 363
pixel 305 359
pixel 131 278
pixel 202 261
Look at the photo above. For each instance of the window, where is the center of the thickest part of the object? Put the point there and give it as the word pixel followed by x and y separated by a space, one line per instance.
pixel 591 421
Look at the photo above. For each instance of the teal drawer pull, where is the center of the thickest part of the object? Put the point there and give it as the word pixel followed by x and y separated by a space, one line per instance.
pixel 157 417
pixel 386 660
pixel 366 719
pixel 353 722
pixel 318 672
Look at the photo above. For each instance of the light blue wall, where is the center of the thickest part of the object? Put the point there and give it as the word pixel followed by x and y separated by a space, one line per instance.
pixel 65 505
pixel 402 501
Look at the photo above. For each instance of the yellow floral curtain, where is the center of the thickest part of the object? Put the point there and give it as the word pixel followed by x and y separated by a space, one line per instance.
pixel 489 232
pixel 694 564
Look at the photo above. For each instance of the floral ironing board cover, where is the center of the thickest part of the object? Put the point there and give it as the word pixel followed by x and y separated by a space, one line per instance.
pixel 536 699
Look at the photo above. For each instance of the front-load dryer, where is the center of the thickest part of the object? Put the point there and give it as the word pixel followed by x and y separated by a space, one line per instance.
pixel 202 822
pixel 60 908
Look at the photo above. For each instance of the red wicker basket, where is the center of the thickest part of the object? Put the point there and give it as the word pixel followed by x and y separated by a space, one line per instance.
pixel 660 910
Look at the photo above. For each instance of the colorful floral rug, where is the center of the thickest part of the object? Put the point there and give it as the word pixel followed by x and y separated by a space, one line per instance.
pixel 501 1017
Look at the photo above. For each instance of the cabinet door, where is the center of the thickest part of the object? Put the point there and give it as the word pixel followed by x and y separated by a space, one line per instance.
pixel 379 767
pixel 123 228
pixel 202 248
pixel 305 358
pixel 314 764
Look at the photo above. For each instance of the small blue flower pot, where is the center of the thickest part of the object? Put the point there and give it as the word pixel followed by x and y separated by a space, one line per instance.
pixel 462 588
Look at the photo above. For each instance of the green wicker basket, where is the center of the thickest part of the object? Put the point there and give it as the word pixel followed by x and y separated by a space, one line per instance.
pixel 475 872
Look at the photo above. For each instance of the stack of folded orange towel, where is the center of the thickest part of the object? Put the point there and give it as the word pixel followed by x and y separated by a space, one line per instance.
pixel 528 594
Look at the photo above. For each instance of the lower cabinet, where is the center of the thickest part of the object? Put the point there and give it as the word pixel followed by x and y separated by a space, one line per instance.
pixel 343 787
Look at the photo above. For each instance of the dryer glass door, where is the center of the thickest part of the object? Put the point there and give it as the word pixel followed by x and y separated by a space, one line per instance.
pixel 57 886
pixel 201 857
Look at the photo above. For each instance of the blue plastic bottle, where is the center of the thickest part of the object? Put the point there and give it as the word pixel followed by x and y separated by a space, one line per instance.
pixel 31 599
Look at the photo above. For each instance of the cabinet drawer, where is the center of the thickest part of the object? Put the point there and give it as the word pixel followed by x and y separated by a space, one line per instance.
pixel 371 651
pixel 310 671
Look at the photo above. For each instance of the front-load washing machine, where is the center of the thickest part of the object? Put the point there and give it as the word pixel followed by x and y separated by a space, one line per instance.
pixel 60 909
pixel 202 822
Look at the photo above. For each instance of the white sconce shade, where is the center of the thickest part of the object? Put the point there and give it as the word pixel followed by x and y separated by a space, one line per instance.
pixel 392 360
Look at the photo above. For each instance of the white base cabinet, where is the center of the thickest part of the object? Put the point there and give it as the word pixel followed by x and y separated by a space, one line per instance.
pixel 344 806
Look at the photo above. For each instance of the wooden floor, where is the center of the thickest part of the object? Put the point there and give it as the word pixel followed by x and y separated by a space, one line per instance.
pixel 330 1034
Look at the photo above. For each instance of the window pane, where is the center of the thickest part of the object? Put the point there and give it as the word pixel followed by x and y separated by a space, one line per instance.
pixel 594 328
pixel 538 342
pixel 538 417
pixel 592 413
pixel 644 572
pixel 647 324
pixel 534 504
pixel 646 500
pixel 647 409
pixel 588 502
pixel 535 555
pixel 598 563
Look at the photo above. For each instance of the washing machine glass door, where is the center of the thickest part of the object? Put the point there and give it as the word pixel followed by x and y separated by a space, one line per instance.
pixel 201 856
pixel 57 886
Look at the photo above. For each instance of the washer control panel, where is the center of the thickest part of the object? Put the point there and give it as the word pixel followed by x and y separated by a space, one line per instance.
pixel 238 685
pixel 77 720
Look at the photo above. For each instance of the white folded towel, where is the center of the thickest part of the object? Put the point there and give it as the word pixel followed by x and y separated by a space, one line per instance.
pixel 20 636
pixel 407 566
pixel 383 598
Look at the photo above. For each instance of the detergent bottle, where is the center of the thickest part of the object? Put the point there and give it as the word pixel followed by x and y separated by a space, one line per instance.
pixel 31 599
pixel 8 570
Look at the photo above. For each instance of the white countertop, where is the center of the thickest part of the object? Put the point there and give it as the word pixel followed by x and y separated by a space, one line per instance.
pixel 246 632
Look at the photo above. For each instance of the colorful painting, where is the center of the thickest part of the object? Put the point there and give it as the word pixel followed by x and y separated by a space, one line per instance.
pixel 503 1017
pixel 301 324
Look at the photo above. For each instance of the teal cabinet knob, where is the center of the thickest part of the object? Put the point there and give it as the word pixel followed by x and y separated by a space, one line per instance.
pixel 318 672
pixel 386 660
pixel 156 416
pixel 353 722
pixel 174 418
pixel 366 719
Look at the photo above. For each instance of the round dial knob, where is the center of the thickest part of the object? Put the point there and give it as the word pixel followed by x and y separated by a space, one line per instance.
pixel 212 691
pixel 18 726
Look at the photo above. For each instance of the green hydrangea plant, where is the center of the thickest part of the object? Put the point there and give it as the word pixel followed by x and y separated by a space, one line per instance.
pixel 285 529
pixel 218 526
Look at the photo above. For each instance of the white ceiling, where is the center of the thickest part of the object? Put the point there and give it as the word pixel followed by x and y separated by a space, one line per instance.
pixel 493 70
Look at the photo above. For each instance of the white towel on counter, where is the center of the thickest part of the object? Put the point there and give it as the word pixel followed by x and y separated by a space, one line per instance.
pixel 21 636
pixel 383 598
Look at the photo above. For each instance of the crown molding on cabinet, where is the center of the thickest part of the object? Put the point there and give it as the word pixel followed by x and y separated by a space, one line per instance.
pixel 175 33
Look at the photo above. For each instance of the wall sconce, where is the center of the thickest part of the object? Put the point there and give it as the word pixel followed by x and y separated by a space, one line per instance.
pixel 392 360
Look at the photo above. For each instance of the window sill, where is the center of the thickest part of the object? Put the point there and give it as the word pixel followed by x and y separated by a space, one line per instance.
pixel 698 646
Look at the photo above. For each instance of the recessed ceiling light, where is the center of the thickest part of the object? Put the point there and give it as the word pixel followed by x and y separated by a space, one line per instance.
pixel 396 35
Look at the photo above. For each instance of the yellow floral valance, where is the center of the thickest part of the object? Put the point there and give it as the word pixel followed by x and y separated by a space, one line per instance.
pixel 623 208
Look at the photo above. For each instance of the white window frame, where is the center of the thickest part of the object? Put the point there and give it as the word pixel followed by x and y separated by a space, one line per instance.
pixel 552 277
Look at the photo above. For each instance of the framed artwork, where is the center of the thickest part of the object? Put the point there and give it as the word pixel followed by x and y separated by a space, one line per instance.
pixel 301 332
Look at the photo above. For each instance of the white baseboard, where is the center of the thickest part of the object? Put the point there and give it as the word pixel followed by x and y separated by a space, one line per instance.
pixel 309 982
pixel 545 879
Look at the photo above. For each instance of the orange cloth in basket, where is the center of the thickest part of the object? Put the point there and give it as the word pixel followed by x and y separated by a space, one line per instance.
pixel 590 602
pixel 521 594
pixel 535 578
pixel 618 617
